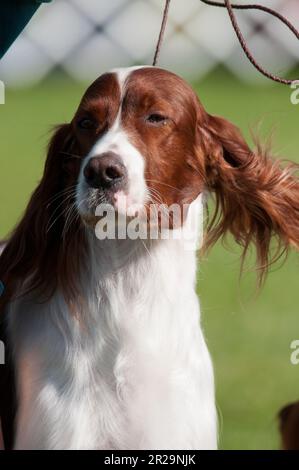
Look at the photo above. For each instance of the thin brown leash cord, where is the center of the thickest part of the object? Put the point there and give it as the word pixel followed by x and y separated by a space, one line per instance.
pixel 162 31
pixel 236 6
pixel 230 7
pixel 250 57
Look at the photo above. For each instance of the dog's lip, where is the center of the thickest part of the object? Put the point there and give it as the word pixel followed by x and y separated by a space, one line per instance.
pixel 125 204
pixel 121 202
pixel 91 220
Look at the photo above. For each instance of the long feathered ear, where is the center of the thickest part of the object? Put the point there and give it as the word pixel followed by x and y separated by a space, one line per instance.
pixel 256 197
pixel 35 257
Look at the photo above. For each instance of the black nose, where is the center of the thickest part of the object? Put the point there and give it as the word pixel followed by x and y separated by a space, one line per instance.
pixel 105 171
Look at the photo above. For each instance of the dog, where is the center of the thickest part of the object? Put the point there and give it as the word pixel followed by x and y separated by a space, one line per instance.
pixel 103 340
pixel 289 426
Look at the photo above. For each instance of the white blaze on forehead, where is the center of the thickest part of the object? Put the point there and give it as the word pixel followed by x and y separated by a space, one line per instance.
pixel 124 72
pixel 116 140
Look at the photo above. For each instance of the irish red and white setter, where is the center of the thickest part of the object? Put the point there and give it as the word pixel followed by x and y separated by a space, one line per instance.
pixel 104 348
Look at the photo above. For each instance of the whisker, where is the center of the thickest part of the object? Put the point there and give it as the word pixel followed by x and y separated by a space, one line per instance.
pixel 71 155
pixel 66 199
pixel 61 193
pixel 156 199
pixel 162 183
pixel 146 248
pixel 73 215
pixel 68 220
pixel 61 214
pixel 156 194
pixel 67 196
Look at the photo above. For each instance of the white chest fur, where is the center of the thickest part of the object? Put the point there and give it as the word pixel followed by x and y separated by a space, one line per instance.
pixel 134 373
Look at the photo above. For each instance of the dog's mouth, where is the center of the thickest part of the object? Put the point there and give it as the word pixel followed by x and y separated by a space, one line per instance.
pixel 98 204
pixel 113 208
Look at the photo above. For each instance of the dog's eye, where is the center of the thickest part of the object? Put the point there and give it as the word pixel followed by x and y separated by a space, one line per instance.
pixel 87 124
pixel 156 119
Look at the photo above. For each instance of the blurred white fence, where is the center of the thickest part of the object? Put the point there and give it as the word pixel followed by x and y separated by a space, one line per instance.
pixel 87 37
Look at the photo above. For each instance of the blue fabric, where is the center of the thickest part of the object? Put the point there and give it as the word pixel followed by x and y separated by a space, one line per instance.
pixel 2 288
pixel 14 16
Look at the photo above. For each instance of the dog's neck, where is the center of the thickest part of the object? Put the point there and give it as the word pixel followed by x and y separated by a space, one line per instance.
pixel 135 281
pixel 130 273
pixel 121 369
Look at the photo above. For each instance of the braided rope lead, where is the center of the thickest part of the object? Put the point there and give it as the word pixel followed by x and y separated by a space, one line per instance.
pixel 236 6
pixel 242 40
pixel 162 31
pixel 230 7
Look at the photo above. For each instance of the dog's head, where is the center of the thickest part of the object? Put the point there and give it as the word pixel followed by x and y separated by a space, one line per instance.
pixel 137 132
pixel 141 136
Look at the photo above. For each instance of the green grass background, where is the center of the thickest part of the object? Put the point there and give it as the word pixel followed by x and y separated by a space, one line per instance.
pixel 249 337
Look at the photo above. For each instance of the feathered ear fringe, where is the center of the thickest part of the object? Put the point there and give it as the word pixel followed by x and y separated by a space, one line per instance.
pixel 256 198
pixel 44 254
